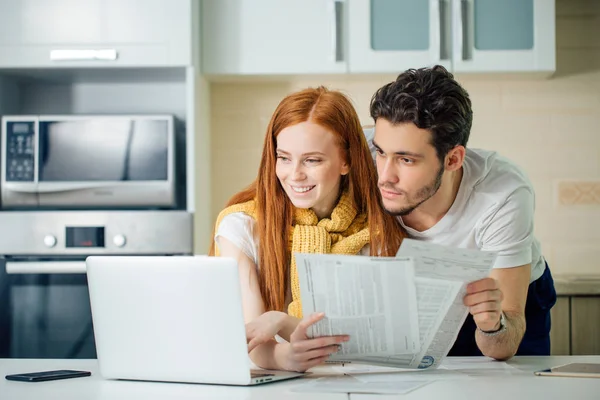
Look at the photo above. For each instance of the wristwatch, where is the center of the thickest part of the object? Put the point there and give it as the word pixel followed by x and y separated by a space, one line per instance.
pixel 497 331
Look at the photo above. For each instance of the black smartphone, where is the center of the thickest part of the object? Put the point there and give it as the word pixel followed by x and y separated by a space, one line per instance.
pixel 47 375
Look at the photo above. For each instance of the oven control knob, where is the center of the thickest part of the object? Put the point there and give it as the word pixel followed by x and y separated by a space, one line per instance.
pixel 119 240
pixel 50 241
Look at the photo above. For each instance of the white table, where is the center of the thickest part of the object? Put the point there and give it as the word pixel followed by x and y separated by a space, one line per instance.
pixel 519 383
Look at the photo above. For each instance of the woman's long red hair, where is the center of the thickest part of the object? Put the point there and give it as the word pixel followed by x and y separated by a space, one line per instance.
pixel 333 111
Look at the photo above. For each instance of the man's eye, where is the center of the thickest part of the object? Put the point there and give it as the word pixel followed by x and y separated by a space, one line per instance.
pixel 407 160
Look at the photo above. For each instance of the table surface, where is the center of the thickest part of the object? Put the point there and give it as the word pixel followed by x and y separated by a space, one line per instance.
pixel 467 378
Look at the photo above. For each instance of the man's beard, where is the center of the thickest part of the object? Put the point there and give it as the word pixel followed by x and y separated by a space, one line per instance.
pixel 422 195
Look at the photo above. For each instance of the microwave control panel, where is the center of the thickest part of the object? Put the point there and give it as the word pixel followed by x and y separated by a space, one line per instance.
pixel 20 139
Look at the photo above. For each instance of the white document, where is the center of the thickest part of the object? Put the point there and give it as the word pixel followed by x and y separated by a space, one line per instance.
pixel 357 298
pixel 347 384
pixel 446 313
pixel 435 298
pixel 373 300
pixel 412 375
pixel 479 366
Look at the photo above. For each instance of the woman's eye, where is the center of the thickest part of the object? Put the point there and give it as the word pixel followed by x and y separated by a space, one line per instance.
pixel 313 160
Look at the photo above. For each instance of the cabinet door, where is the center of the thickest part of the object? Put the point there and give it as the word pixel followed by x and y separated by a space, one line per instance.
pixel 560 333
pixel 157 29
pixel 394 35
pixel 67 33
pixel 40 22
pixel 585 325
pixel 503 36
pixel 273 37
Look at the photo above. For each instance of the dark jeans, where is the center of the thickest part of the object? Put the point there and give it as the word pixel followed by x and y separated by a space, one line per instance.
pixel 541 296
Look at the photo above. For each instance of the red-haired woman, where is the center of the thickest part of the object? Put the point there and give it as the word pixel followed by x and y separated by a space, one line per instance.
pixel 316 192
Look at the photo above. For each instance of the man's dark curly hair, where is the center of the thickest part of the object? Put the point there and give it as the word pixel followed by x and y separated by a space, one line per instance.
pixel 431 99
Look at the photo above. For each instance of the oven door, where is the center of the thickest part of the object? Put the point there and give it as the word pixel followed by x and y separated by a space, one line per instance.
pixel 45 309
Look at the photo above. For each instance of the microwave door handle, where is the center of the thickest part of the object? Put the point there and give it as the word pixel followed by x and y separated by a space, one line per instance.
pixel 45 267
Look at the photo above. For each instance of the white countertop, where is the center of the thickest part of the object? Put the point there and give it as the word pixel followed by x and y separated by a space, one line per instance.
pixel 481 379
pixel 573 285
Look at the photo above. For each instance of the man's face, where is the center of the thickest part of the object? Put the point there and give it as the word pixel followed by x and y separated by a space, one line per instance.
pixel 409 169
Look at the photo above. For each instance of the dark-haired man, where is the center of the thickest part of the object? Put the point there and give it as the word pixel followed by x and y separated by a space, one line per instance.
pixel 444 193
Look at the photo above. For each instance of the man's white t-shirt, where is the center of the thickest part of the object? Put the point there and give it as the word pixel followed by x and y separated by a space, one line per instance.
pixel 493 210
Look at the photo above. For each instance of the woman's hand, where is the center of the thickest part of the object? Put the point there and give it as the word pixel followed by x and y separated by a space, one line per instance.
pixel 264 328
pixel 303 353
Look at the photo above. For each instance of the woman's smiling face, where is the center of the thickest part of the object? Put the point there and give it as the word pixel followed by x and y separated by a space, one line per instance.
pixel 310 167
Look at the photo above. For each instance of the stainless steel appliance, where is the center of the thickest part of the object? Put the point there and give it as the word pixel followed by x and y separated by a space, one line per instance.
pixel 44 303
pixel 88 161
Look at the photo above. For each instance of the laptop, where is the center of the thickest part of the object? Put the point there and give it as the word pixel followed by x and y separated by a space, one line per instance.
pixel 172 319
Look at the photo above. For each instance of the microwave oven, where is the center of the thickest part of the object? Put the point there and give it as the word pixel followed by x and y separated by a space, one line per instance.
pixel 88 161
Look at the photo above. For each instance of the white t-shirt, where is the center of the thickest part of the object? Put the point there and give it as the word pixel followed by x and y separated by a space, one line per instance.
pixel 240 229
pixel 493 210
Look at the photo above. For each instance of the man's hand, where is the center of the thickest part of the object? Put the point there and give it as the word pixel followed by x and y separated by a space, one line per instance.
pixel 484 299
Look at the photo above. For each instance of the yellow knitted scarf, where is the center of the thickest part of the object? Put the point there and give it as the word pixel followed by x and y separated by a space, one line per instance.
pixel 345 232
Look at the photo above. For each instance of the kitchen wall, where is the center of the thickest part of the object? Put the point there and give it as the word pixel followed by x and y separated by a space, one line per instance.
pixel 551 127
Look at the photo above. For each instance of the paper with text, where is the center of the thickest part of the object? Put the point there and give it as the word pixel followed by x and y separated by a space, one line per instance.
pixel 376 300
pixel 451 268
pixel 373 300
pixel 347 384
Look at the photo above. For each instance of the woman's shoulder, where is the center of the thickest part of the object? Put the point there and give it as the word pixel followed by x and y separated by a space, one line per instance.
pixel 238 222
pixel 239 229
pixel 247 208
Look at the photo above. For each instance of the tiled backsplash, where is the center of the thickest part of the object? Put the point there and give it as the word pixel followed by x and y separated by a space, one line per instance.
pixel 550 127
pixel 572 193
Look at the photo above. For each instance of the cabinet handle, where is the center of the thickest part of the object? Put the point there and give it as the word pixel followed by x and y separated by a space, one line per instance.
pixel 83 55
pixel 337 31
pixel 465 19
pixel 442 28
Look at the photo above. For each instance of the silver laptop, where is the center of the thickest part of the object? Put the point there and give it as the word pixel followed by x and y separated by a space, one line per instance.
pixel 174 319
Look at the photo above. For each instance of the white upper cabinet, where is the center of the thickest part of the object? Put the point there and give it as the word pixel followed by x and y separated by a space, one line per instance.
pixel 393 35
pixel 462 35
pixel 504 36
pixel 258 37
pixel 95 33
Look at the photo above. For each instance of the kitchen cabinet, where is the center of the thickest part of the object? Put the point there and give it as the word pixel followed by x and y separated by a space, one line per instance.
pixel 503 36
pixel 271 37
pixel 585 325
pixel 95 33
pixel 249 37
pixel 560 333
pixel 462 35
pixel 576 325
pixel 394 35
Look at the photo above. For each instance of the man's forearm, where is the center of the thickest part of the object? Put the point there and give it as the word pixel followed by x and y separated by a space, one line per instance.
pixel 504 345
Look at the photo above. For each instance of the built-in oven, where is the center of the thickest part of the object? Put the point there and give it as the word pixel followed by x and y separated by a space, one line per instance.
pixel 44 300
pixel 89 161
